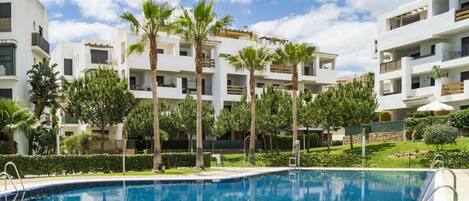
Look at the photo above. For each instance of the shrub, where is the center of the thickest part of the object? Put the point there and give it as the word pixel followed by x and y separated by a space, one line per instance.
pixel 452 159
pixel 78 144
pixel 315 160
pixel 440 135
pixel 459 119
pixel 58 165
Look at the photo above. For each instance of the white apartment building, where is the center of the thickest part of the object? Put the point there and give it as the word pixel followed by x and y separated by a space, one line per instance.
pixel 412 40
pixel 222 84
pixel 23 42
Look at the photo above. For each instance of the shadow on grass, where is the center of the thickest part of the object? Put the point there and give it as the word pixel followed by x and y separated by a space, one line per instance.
pixel 370 149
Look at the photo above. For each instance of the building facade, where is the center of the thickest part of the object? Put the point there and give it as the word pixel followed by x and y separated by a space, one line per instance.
pixel 222 84
pixel 23 42
pixel 415 42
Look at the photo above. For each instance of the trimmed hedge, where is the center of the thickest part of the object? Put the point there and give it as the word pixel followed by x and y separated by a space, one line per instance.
pixel 315 160
pixel 58 165
pixel 453 159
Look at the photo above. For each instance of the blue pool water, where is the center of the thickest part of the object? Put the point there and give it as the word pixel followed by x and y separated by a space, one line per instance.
pixel 302 185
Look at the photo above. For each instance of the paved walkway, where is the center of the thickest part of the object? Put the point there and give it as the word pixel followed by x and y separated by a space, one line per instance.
pixel 227 173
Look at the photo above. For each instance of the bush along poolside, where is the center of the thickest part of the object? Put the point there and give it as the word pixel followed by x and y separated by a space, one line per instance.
pixel 315 160
pixel 63 165
pixel 452 159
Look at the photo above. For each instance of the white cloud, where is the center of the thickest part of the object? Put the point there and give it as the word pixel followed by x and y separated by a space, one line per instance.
pixel 135 4
pixel 105 10
pixel 237 1
pixel 48 2
pixel 346 30
pixel 66 31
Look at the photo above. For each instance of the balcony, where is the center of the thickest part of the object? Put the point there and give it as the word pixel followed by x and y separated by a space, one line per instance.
pixel 67 119
pixel 235 90
pixel 462 14
pixel 208 63
pixel 390 66
pixel 38 41
pixel 281 69
pixel 453 88
pixel 456 55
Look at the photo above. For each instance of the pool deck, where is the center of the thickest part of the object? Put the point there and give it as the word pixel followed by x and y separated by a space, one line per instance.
pixel 229 173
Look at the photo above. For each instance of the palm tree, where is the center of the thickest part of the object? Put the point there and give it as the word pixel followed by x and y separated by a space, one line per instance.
pixel 156 19
pixel 251 59
pixel 14 117
pixel 292 55
pixel 196 26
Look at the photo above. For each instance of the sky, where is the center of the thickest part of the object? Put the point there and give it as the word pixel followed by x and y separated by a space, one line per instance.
pixel 344 27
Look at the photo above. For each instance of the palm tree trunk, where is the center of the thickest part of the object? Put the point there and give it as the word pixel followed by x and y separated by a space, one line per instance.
pixel 252 139
pixel 351 141
pixel 199 146
pixel 294 105
pixel 154 89
pixel 11 143
pixel 102 128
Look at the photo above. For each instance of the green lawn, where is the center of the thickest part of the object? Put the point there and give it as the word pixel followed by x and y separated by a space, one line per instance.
pixel 382 155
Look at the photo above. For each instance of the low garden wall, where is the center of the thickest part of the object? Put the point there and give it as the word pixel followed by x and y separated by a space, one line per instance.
pixel 396 136
pixel 63 165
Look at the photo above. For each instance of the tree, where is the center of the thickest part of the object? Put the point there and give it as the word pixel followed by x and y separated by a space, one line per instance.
pixel 459 119
pixel 327 110
pixel 196 26
pixel 291 55
pixel 100 98
pixel 139 122
pixel 251 59
pixel 274 109
pixel 156 19
pixel 306 111
pixel 358 102
pixel 241 116
pixel 439 135
pixel 14 117
pixel 45 93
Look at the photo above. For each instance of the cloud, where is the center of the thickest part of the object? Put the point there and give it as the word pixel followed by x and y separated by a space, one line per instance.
pixel 105 10
pixel 67 31
pixel 50 2
pixel 135 4
pixel 237 1
pixel 334 29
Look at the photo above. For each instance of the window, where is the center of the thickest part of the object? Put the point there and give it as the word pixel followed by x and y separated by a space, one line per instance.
pixel 99 56
pixel 260 85
pixel 68 133
pixel 160 51
pixel 465 6
pixel 432 81
pixel 415 82
pixel 7 59
pixel 68 67
pixel 41 31
pixel 160 80
pixel 5 17
pixel 464 107
pixel 133 83
pixel 432 49
pixel 6 93
pixel 183 53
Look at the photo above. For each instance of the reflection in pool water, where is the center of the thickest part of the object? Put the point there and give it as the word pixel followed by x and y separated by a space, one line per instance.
pixel 302 185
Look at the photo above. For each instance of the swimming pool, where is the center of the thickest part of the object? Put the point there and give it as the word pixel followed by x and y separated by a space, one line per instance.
pixel 330 185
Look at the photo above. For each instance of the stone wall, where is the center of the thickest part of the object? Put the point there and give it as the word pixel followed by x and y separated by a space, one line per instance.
pixel 377 137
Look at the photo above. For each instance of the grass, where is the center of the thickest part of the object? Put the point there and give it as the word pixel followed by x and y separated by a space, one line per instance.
pixel 382 155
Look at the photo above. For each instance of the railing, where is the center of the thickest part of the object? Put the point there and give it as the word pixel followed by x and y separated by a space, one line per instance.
pixel 235 90
pixel 67 119
pixel 281 69
pixel 388 93
pixel 38 40
pixel 422 56
pixel 456 55
pixel 462 14
pixel 453 188
pixel 453 88
pixel 208 63
pixel 5 24
pixel 390 66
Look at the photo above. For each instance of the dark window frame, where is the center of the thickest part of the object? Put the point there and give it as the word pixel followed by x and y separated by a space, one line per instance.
pixel 6 93
pixel 8 50
pixel 99 56
pixel 5 17
pixel 68 67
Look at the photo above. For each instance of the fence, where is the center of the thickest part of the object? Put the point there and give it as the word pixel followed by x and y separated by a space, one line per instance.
pixel 376 127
